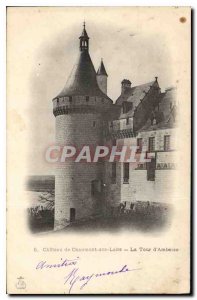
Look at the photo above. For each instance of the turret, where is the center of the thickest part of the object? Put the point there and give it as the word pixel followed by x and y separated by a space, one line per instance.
pixel 101 76
pixel 84 40
pixel 80 110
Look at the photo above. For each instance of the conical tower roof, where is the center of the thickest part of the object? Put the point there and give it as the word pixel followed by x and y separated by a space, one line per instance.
pixel 101 69
pixel 82 80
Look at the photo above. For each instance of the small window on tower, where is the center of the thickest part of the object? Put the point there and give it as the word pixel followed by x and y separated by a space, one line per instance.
pixel 87 98
pixel 70 99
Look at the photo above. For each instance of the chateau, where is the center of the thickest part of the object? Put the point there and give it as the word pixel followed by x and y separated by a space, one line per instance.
pixel 142 115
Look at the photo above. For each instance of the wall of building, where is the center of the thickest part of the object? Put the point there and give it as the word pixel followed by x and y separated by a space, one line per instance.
pixel 121 124
pixel 159 138
pixel 102 83
pixel 73 180
pixel 162 189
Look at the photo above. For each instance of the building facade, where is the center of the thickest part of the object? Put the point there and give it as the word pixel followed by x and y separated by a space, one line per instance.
pixel 142 116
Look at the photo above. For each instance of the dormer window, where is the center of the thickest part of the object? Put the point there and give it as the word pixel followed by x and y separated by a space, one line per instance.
pixel 154 121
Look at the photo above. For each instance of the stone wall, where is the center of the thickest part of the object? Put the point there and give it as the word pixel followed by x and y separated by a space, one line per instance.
pixel 73 180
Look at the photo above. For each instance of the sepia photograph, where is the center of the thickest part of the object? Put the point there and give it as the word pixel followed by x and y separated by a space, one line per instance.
pixel 98 139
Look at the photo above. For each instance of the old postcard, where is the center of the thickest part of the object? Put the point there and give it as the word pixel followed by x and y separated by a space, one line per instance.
pixel 98 150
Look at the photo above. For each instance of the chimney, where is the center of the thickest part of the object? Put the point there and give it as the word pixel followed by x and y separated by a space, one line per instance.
pixel 126 85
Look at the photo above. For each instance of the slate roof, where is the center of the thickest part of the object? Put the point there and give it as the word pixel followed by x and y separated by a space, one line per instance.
pixel 82 80
pixel 134 94
pixel 101 69
pixel 165 113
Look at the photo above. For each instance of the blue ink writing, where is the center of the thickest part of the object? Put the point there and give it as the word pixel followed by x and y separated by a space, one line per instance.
pixel 63 263
pixel 74 276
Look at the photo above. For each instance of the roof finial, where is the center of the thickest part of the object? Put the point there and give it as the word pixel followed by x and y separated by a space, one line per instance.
pixel 84 39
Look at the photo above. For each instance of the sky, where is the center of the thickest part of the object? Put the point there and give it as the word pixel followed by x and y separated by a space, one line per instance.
pixel 43 45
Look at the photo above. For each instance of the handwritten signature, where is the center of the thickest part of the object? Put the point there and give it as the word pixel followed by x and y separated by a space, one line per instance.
pixel 74 275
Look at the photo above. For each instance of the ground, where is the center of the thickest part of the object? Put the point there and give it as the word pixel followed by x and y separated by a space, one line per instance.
pixel 145 219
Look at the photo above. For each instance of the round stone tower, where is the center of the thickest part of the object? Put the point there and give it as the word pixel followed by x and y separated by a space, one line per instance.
pixel 81 111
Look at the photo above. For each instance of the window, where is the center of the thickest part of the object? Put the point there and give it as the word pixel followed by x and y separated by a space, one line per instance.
pixel 139 144
pixel 167 142
pixel 70 99
pixel 151 144
pixel 87 98
pixel 94 123
pixel 126 173
pixel 127 121
pixel 57 100
pixel 111 125
pixel 113 172
pixel 151 170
